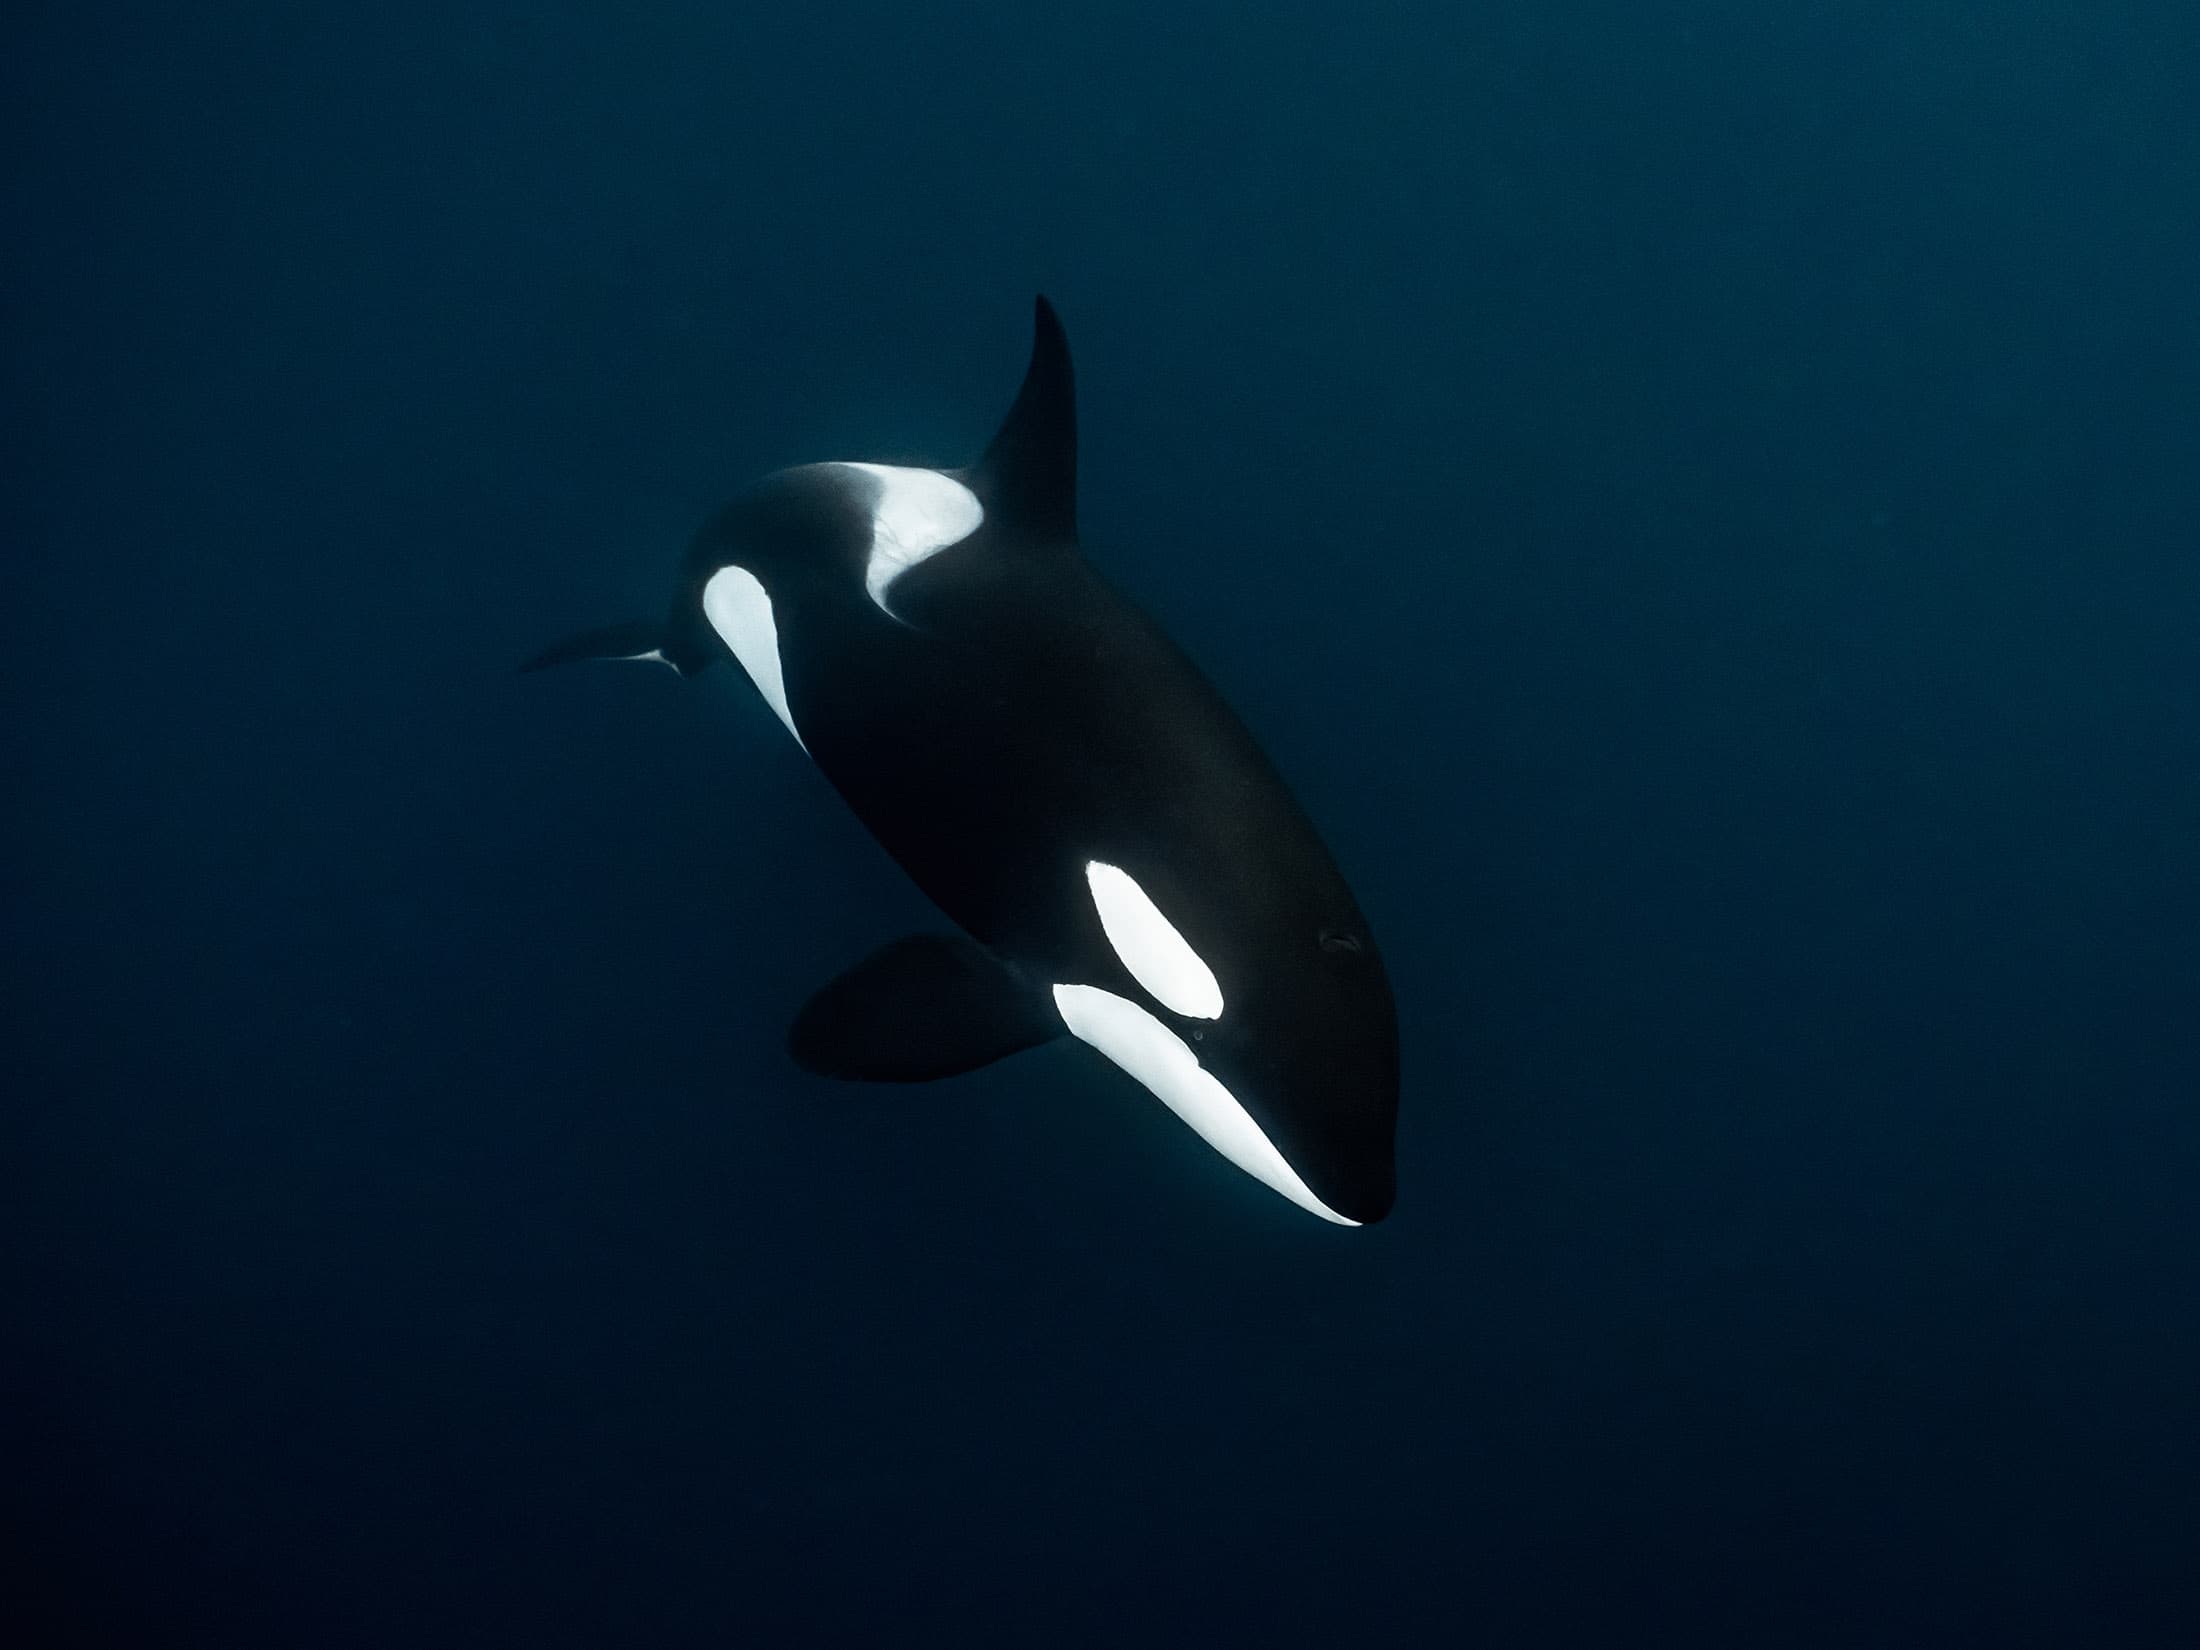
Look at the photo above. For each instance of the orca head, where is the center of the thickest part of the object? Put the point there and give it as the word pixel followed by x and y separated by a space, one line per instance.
pixel 1279 1048
pixel 1308 1044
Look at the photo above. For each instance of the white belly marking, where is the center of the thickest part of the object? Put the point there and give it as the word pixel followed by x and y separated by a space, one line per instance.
pixel 1164 1062
pixel 739 609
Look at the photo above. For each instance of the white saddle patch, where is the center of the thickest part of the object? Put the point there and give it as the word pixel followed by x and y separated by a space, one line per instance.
pixel 919 513
pixel 739 609
pixel 1158 957
pixel 1165 1064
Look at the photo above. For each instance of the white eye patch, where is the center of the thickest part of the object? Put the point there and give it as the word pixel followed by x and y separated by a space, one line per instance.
pixel 1158 957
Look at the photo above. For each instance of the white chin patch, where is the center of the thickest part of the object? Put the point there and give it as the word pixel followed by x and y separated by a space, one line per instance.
pixel 735 603
pixel 1161 1060
pixel 919 513
pixel 1158 957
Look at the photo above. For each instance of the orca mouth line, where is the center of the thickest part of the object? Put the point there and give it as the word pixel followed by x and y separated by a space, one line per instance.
pixel 1165 1065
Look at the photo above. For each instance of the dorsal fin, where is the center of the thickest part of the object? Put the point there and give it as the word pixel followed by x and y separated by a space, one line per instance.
pixel 1028 477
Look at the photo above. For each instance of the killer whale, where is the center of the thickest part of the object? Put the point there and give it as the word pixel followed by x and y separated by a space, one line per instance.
pixel 1121 858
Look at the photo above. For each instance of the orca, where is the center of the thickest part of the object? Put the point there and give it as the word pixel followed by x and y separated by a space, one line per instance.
pixel 1121 860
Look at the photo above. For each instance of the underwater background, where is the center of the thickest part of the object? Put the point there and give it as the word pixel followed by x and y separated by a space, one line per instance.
pixel 1699 499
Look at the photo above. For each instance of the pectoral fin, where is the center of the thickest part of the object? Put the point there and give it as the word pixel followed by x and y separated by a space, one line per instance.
pixel 923 1007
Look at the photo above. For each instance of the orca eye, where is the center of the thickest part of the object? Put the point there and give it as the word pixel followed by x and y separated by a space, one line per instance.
pixel 1339 943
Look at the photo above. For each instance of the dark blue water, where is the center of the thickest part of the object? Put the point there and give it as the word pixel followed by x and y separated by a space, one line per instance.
pixel 1702 501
